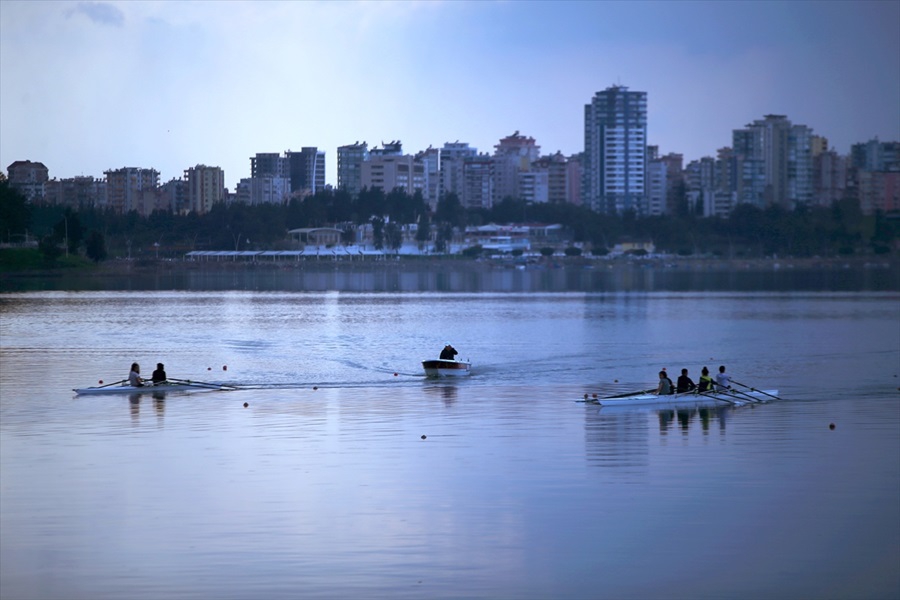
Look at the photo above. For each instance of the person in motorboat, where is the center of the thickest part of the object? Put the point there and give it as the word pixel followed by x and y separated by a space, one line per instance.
pixel 159 375
pixel 449 352
pixel 134 377
pixel 706 382
pixel 665 385
pixel 685 383
pixel 723 380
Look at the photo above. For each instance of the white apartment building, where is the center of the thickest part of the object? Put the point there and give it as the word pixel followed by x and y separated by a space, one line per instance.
pixel 615 151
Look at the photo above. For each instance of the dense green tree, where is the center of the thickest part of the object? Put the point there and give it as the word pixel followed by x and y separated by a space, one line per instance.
pixel 49 247
pixel 15 212
pixel 95 247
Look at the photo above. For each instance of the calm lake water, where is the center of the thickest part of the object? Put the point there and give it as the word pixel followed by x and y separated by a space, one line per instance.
pixel 350 475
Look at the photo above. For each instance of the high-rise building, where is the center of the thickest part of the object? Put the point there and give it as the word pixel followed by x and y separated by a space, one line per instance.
pixel 615 151
pixel 763 146
pixel 431 169
pixel 557 172
pixel 306 170
pixel 131 189
pixel 512 156
pixel 205 186
pixel 389 172
pixel 350 159
pixel 453 157
pixel 477 182
pixel 268 163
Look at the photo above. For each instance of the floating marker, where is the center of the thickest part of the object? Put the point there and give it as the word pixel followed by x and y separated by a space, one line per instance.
pixel 395 374
pixel 209 368
pixel 224 367
pixel 831 426
pixel 246 405
pixel 423 436
pixel 101 382
pixel 315 387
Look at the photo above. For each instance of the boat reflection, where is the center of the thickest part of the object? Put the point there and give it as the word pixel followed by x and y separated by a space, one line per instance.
pixel 621 437
pixel 159 405
pixel 446 390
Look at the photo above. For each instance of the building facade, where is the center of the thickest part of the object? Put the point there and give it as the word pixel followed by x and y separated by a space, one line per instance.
pixel 513 155
pixel 350 159
pixel 28 178
pixel 615 151
pixel 205 186
pixel 132 189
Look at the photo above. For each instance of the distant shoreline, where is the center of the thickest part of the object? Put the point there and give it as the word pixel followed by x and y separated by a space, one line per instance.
pixel 447 263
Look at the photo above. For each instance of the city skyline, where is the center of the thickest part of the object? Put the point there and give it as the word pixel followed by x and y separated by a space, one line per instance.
pixel 85 87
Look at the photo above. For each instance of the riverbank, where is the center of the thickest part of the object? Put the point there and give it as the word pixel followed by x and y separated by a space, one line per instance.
pixel 446 274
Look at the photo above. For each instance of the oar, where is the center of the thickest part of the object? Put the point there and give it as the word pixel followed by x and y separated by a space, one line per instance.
pixel 753 389
pixel 637 393
pixel 739 394
pixel 113 383
pixel 709 394
pixel 201 384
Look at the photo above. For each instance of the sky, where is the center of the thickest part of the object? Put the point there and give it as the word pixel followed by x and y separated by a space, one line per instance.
pixel 90 86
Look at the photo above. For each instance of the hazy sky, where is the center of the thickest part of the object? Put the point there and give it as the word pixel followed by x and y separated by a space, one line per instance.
pixel 91 86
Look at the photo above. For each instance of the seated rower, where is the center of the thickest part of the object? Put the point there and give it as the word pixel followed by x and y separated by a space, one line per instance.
pixel 706 382
pixel 134 377
pixel 159 375
pixel 685 383
pixel 723 381
pixel 665 385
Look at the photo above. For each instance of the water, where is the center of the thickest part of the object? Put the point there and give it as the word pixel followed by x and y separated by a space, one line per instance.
pixel 349 474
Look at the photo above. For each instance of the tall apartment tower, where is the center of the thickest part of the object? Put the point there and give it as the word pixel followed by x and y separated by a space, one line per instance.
pixel 615 151
pixel 350 159
pixel 306 170
pixel 453 157
pixel 512 156
pixel 762 148
pixel 205 186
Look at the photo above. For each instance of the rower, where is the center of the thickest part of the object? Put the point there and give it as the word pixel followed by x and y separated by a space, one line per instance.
pixel 159 375
pixel 723 381
pixel 134 377
pixel 706 382
pixel 665 385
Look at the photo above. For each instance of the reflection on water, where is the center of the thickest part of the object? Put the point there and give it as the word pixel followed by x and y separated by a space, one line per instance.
pixel 340 471
pixel 461 276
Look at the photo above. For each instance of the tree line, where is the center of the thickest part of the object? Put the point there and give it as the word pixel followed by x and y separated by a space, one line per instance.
pixel 841 229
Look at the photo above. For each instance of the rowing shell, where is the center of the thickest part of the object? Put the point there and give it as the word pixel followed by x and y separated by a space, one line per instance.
pixel 736 398
pixel 150 389
pixel 440 367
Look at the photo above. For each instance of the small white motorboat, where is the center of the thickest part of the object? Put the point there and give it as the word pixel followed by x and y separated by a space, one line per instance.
pixel 440 367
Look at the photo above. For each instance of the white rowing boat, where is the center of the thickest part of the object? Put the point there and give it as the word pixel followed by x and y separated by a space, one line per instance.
pixel 167 386
pixel 440 367
pixel 734 397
